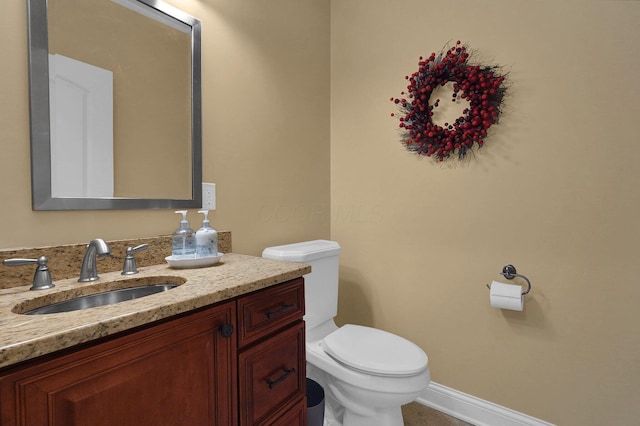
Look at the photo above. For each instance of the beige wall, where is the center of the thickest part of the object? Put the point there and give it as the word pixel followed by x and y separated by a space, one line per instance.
pixel 554 191
pixel 266 130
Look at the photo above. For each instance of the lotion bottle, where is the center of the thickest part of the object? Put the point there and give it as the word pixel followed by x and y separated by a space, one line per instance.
pixel 206 238
pixel 183 244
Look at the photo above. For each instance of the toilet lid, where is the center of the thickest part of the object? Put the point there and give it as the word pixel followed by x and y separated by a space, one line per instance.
pixel 374 351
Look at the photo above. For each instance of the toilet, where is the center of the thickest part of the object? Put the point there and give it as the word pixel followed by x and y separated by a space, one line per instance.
pixel 367 374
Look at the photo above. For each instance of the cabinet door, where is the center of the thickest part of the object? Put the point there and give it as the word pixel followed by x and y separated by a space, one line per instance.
pixel 181 372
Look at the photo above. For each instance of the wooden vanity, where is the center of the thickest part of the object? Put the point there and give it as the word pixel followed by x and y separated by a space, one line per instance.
pixel 237 361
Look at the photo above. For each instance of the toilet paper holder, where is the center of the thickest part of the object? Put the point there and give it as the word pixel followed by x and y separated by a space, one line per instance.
pixel 509 272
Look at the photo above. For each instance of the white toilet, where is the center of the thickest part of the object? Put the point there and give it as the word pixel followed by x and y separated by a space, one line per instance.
pixel 367 374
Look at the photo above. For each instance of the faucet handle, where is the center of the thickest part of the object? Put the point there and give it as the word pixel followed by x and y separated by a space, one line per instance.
pixel 129 267
pixel 41 278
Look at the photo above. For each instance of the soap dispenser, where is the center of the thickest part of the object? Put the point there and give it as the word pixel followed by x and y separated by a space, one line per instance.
pixel 206 238
pixel 183 246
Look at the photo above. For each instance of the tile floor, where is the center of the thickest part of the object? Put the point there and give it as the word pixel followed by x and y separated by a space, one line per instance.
pixel 419 415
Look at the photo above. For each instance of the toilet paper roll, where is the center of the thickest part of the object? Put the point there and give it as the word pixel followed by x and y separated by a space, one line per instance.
pixel 506 296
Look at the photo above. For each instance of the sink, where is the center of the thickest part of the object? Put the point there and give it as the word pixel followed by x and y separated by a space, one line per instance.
pixel 101 299
pixel 101 294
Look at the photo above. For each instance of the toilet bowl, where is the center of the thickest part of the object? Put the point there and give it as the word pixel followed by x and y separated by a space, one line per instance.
pixel 367 374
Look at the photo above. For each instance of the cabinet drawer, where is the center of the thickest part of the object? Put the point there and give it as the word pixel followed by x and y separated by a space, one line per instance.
pixel 295 416
pixel 271 376
pixel 268 310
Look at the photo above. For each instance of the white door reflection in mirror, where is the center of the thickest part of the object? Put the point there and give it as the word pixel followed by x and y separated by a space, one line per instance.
pixel 81 112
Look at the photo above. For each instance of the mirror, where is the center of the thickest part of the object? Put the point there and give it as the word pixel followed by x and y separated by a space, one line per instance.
pixel 115 105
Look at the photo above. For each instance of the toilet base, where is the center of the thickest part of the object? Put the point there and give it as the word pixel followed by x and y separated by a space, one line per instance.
pixel 386 417
pixel 356 414
pixel 341 410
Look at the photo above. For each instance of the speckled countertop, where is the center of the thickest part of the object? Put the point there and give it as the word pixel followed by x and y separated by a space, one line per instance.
pixel 24 337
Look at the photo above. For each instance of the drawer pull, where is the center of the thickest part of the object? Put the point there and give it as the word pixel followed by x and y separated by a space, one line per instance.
pixel 285 308
pixel 287 373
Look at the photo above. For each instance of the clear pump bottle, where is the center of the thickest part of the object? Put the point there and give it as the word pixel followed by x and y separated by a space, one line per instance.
pixel 183 244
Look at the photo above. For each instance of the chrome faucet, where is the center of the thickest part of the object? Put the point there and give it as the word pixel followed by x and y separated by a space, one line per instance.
pixel 89 272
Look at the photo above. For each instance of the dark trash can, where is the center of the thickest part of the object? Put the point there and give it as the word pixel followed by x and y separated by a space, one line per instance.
pixel 315 403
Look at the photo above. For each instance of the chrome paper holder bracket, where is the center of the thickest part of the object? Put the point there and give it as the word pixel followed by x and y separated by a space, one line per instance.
pixel 510 272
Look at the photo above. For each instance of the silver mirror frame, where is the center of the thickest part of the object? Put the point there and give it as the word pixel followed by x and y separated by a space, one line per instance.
pixel 40 122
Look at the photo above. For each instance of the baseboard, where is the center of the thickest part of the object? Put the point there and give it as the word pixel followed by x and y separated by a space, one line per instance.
pixel 474 410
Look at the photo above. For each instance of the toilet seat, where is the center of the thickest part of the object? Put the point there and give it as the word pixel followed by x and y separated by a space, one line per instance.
pixel 376 352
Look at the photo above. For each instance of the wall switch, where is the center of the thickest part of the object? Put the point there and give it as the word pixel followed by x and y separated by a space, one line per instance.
pixel 208 196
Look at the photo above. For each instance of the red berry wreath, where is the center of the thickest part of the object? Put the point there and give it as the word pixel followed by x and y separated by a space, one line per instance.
pixel 483 86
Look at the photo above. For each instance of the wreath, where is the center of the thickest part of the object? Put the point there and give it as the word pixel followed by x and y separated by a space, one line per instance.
pixel 483 86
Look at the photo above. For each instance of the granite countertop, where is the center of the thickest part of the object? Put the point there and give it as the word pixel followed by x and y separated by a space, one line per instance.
pixel 24 337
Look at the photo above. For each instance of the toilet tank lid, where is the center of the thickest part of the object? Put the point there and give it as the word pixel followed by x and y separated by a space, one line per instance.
pixel 303 252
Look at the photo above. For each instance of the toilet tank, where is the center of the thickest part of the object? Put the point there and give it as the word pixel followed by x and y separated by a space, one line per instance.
pixel 321 285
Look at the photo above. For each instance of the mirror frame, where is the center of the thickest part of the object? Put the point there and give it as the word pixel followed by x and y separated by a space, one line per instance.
pixel 40 122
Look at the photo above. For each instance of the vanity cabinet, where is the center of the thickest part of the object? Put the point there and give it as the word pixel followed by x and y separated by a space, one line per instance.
pixel 188 370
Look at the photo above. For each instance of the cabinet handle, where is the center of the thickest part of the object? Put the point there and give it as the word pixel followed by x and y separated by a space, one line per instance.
pixel 284 308
pixel 226 330
pixel 287 373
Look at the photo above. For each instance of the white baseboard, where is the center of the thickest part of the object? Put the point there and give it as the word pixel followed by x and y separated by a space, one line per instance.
pixel 474 410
